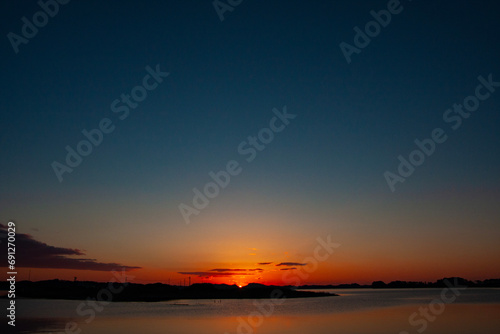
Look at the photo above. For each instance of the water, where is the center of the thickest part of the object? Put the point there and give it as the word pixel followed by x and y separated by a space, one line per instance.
pixel 354 311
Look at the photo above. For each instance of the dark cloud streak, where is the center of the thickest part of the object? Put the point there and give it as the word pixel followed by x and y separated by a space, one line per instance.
pixel 290 264
pixel 31 253
pixel 213 274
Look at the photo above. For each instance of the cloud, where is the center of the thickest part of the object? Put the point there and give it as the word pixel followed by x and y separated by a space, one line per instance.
pixel 288 268
pixel 264 263
pixel 225 270
pixel 204 273
pixel 212 273
pixel 222 272
pixel 31 253
pixel 290 264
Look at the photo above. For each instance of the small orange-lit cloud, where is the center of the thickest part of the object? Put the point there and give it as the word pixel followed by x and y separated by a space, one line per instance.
pixel 223 272
pixel 290 264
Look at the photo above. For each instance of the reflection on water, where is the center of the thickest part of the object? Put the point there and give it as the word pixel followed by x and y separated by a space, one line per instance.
pixel 34 325
pixel 355 311
pixel 460 318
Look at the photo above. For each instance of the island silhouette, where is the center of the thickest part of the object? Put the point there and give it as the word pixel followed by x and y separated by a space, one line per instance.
pixel 81 290
pixel 60 289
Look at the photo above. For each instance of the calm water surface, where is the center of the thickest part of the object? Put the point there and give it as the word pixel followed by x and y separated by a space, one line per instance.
pixel 354 311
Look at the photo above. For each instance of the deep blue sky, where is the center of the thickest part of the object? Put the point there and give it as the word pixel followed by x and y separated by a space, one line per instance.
pixel 225 78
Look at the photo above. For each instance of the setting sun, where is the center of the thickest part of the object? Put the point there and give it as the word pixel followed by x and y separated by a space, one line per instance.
pixel 231 166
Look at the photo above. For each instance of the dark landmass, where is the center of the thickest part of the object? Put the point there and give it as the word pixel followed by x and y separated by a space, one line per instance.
pixel 488 283
pixel 58 289
pixel 338 286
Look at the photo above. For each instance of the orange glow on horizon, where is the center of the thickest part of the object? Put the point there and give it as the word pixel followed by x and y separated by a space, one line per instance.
pixel 323 275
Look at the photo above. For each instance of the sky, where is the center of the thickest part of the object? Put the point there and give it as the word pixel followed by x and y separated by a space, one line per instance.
pixel 308 137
